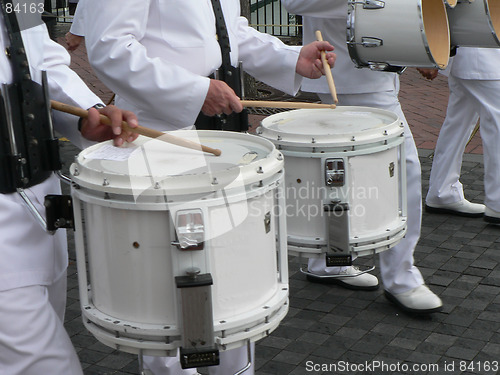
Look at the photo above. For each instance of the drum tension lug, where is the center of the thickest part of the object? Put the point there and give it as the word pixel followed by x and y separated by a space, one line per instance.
pixel 370 42
pixel 59 211
pixel 373 4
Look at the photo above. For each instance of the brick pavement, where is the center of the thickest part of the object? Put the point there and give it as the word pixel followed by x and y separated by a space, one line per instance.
pixel 329 326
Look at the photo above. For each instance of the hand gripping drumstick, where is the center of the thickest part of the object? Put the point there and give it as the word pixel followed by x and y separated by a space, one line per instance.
pixel 139 130
pixel 328 71
pixel 273 104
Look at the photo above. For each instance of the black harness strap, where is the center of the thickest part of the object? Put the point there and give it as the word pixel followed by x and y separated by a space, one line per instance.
pixel 228 74
pixel 37 154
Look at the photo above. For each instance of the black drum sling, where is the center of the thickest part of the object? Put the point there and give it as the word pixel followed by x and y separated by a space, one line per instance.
pixel 229 74
pixel 28 150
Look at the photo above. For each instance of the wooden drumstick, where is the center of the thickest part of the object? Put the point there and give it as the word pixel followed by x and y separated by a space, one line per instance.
pixel 148 132
pixel 328 71
pixel 273 104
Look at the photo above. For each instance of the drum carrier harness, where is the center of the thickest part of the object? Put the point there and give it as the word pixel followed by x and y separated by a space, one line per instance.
pixel 229 74
pixel 29 151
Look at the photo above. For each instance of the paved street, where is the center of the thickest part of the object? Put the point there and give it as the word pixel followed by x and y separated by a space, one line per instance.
pixel 328 327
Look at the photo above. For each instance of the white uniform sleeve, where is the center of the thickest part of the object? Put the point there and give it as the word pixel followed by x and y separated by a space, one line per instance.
pixel 67 87
pixel 317 8
pixel 268 59
pixel 113 31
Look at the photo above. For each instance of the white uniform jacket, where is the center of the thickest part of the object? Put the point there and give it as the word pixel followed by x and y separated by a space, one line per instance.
pixel 28 255
pixel 77 26
pixel 330 17
pixel 156 55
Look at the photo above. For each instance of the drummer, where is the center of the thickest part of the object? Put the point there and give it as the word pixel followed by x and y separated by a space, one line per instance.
pixel 474 82
pixel 33 263
pixel 160 59
pixel 403 282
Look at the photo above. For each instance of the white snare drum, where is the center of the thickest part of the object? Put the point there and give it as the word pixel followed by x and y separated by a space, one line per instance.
pixel 475 23
pixel 392 34
pixel 165 227
pixel 345 179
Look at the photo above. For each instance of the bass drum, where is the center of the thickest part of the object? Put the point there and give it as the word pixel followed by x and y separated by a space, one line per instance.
pixel 391 35
pixel 475 23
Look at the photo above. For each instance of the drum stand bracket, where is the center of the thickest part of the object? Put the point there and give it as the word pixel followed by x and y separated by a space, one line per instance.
pixel 198 343
pixel 59 211
pixel 338 253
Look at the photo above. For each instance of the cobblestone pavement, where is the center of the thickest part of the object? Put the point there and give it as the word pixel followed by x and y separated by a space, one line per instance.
pixel 329 327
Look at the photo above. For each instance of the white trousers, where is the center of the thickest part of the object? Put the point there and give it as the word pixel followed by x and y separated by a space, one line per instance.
pixel 33 340
pixel 231 362
pixel 469 100
pixel 397 268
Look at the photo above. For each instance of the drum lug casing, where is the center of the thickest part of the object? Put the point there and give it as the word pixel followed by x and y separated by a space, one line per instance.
pixel 373 4
pixel 370 4
pixel 371 42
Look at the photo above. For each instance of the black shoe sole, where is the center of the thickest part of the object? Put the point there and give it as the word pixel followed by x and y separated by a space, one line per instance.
pixel 492 219
pixel 394 300
pixel 337 281
pixel 435 210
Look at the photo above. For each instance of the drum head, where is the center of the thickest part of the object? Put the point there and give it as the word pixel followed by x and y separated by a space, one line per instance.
pixel 342 126
pixel 435 22
pixel 155 167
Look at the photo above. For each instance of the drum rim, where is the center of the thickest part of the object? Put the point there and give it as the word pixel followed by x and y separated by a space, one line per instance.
pixel 384 134
pixel 116 183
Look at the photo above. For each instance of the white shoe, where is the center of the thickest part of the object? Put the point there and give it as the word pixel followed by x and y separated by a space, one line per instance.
pixel 350 278
pixel 418 300
pixel 461 208
pixel 491 216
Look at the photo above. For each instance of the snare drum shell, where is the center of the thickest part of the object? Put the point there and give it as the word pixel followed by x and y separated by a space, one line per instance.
pixel 372 190
pixel 129 238
pixel 131 261
pixel 368 143
pixel 475 24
